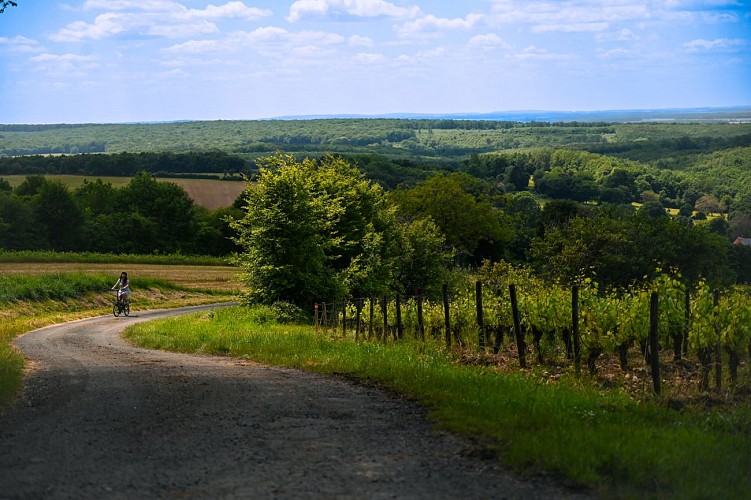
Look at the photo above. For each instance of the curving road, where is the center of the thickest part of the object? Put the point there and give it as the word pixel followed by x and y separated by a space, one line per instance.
pixel 100 418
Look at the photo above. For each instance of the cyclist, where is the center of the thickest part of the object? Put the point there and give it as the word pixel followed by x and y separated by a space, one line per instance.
pixel 123 286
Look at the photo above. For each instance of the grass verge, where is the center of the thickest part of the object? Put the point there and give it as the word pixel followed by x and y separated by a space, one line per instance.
pixel 601 439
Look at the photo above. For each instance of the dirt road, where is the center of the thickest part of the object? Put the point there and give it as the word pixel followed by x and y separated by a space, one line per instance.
pixel 100 418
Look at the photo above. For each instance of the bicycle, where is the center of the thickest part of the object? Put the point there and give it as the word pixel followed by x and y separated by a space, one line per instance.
pixel 121 306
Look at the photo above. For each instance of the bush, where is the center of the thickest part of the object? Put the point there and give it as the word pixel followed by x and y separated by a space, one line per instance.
pixel 277 313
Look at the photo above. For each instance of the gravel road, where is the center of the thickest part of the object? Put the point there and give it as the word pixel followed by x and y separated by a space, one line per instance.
pixel 100 418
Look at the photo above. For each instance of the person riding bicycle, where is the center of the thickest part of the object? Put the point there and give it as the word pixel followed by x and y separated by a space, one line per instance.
pixel 123 288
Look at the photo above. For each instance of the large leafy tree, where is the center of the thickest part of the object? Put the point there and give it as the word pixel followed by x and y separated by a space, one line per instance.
pixel 57 213
pixel 473 227
pixel 161 215
pixel 312 231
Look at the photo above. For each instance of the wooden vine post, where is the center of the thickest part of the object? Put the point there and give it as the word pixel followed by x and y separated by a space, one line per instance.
pixel 370 318
pixel 480 326
pixel 399 326
pixel 446 315
pixel 718 345
pixel 654 346
pixel 358 319
pixel 384 308
pixel 344 317
pixel 420 320
pixel 520 344
pixel 686 319
pixel 575 328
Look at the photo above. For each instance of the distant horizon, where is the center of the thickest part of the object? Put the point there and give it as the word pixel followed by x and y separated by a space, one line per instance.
pixel 653 114
pixel 131 61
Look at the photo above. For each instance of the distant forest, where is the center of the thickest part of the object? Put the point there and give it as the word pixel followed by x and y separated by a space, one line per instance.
pixel 699 174
pixel 609 162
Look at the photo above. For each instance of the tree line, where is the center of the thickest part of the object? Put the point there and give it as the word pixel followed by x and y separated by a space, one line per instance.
pixel 143 217
pixel 315 230
pixel 127 164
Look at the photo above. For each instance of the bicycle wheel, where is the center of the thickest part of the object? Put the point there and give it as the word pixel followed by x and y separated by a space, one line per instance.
pixel 116 310
pixel 126 308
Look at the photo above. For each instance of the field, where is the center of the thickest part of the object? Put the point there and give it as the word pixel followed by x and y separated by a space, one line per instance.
pixel 221 278
pixel 209 193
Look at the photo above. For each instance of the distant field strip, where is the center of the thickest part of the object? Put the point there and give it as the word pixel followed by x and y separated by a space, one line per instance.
pixel 198 277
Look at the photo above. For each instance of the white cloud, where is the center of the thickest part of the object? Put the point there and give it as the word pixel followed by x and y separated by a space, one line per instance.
pixel 431 23
pixel 174 73
pixel 570 16
pixel 64 58
pixel 622 35
pixel 618 53
pixel 490 40
pixel 303 9
pixel 19 44
pixel 64 63
pixel 196 47
pixel 702 45
pixel 147 5
pixel 368 58
pixel 161 18
pixel 269 40
pixel 533 53
pixel 104 25
pixel 570 27
pixel 360 41
pixel 182 30
pixel 230 10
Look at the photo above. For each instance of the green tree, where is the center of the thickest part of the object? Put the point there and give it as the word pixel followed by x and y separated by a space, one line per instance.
pixel 18 227
pixel 309 231
pixel 422 258
pixel 470 223
pixel 56 211
pixel 598 247
pixel 168 208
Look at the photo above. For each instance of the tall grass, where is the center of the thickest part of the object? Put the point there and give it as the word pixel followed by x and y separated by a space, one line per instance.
pixel 64 286
pixel 26 256
pixel 602 439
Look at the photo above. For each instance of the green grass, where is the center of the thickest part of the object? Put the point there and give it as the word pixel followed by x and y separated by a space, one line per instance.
pixel 570 429
pixel 64 286
pixel 26 256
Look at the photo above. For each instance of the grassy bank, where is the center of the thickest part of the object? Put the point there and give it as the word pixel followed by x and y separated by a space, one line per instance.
pixel 28 302
pixel 570 429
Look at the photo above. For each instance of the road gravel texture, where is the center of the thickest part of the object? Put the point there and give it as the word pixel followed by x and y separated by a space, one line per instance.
pixel 100 418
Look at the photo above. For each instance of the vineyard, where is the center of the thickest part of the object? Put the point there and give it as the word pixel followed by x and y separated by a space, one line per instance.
pixel 700 335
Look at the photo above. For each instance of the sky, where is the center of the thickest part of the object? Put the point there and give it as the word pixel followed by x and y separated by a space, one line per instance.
pixel 113 61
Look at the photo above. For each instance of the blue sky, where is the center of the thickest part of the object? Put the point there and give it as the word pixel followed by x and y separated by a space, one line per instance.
pixel 76 61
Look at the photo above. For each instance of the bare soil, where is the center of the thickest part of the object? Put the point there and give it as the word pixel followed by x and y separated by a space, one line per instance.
pixel 99 418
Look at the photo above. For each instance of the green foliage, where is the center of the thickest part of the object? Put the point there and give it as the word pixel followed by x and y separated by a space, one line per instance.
pixel 461 207
pixel 622 250
pixel 144 217
pixel 311 230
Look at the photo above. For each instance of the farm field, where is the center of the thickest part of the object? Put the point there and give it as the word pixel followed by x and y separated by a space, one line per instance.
pixel 220 278
pixel 209 193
